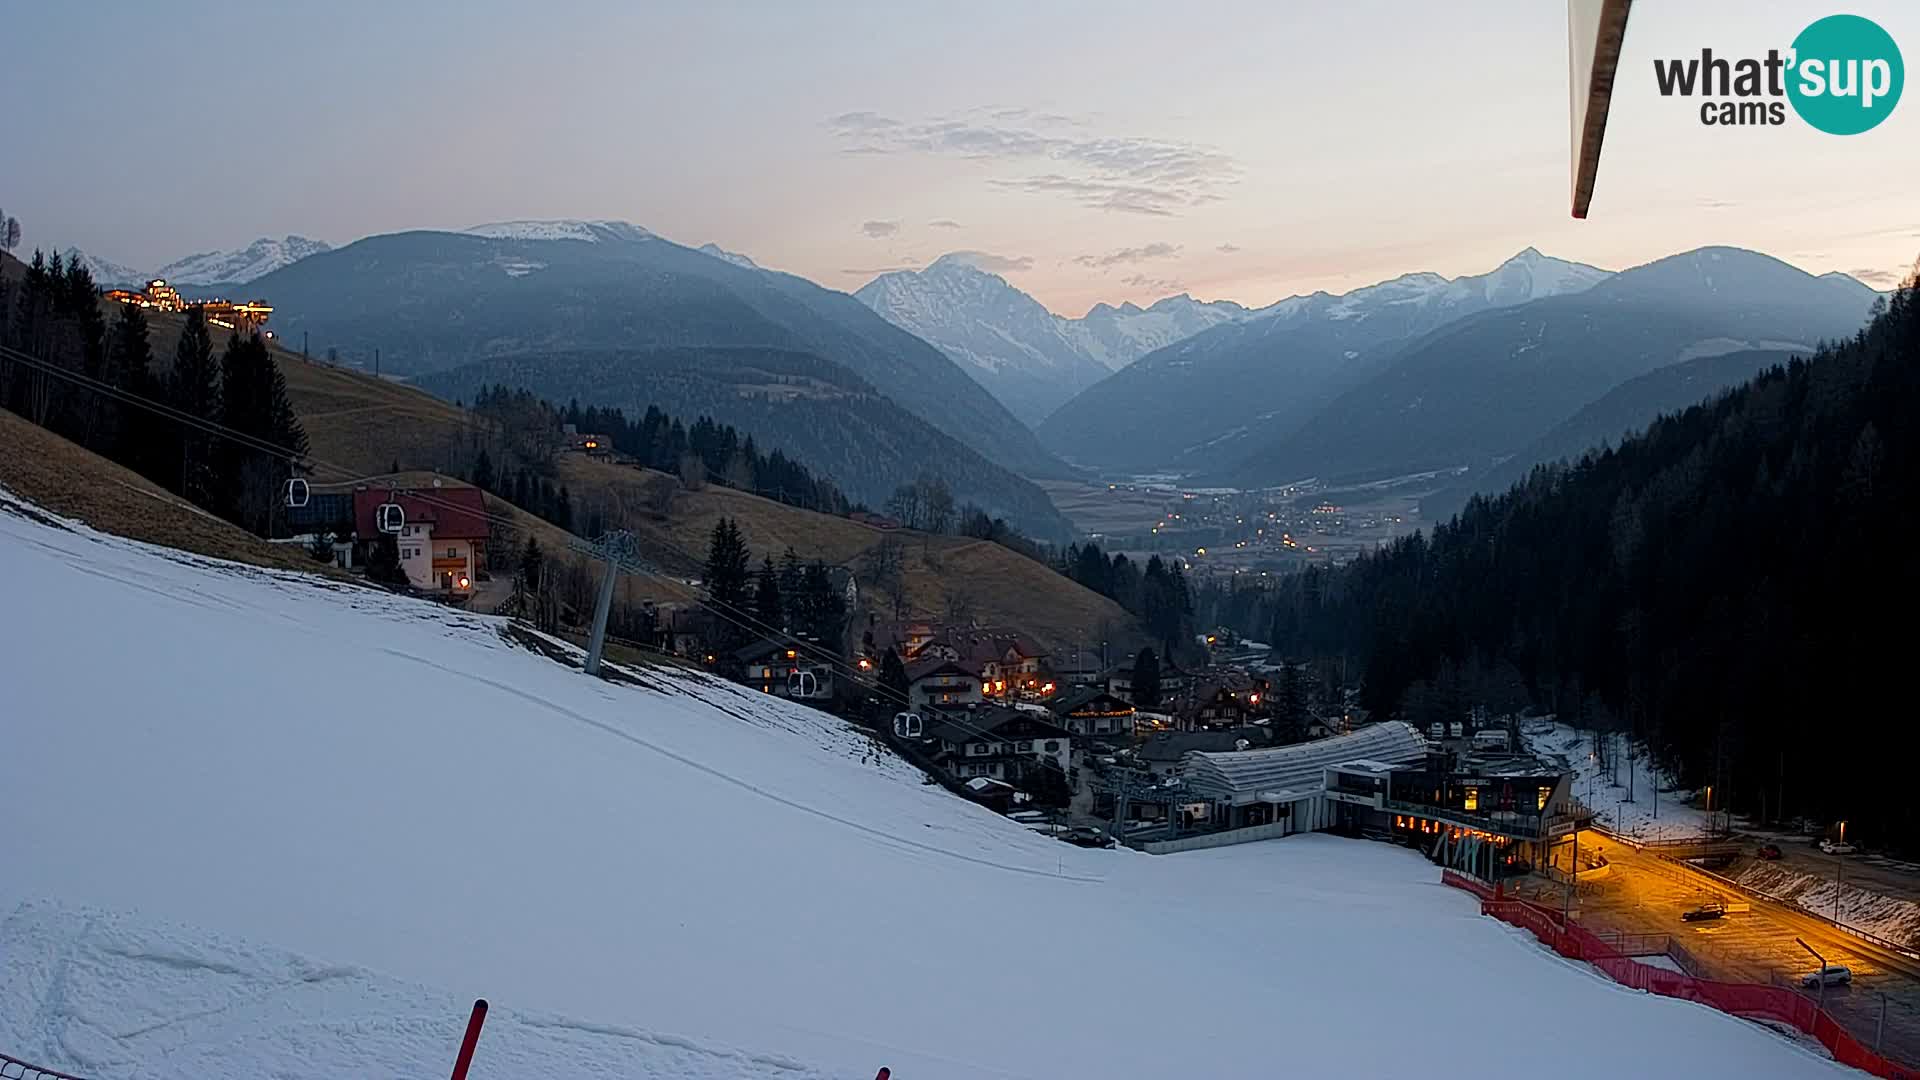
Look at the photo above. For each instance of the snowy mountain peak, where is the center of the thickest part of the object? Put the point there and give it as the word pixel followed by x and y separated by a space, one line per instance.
pixel 237 267
pixel 592 232
pixel 106 273
pixel 724 255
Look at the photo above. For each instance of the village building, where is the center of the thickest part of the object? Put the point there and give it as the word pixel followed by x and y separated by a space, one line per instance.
pixel 935 683
pixel 1091 711
pixel 785 668
pixel 1174 683
pixel 998 743
pixel 1164 753
pixel 443 541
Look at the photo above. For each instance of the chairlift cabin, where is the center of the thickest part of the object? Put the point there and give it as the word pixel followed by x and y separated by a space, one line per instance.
pixel 297 492
pixel 908 725
pixel 812 683
pixel 390 517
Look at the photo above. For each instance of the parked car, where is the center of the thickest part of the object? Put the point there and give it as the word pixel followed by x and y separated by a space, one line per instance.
pixel 1831 975
pixel 1836 847
pixel 1769 851
pixel 1705 912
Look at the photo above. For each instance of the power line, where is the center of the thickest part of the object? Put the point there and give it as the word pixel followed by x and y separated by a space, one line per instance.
pixel 735 616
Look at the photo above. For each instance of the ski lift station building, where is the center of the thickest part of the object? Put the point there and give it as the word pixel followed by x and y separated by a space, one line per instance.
pixel 1489 815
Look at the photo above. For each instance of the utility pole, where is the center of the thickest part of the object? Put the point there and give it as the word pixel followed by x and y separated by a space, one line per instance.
pixel 1839 868
pixel 376 363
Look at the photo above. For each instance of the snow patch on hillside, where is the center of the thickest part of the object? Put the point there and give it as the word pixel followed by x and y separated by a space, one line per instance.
pixel 592 232
pixel 1605 790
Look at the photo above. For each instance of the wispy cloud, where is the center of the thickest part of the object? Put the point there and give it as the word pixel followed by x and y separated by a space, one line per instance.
pixel 876 271
pixel 1128 256
pixel 1885 279
pixel 1128 174
pixel 988 261
pixel 861 121
pixel 944 223
pixel 1227 248
pixel 1160 285
pixel 879 230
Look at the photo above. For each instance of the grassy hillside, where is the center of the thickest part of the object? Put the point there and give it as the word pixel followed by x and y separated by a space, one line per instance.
pixel 365 425
pixel 74 482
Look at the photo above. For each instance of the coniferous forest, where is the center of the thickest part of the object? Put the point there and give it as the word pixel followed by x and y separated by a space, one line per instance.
pixel 97 382
pixel 1732 586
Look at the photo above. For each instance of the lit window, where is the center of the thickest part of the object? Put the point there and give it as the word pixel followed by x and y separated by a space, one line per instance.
pixel 1544 792
pixel 1473 799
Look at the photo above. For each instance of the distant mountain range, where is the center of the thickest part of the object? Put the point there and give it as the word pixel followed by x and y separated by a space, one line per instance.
pixel 615 295
pixel 1214 398
pixel 1481 388
pixel 209 268
pixel 1031 359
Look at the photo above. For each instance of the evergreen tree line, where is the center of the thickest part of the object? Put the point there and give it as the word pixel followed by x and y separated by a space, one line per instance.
pixel 1722 586
pixel 705 451
pixel 794 597
pixel 530 491
pixel 53 315
pixel 1157 593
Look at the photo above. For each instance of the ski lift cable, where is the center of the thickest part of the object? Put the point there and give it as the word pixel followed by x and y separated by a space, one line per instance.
pixel 738 618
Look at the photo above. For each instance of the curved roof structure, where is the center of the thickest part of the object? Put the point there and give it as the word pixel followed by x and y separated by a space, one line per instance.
pixel 1299 770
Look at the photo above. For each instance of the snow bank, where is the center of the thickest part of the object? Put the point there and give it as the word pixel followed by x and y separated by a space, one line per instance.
pixel 396 788
pixel 1877 914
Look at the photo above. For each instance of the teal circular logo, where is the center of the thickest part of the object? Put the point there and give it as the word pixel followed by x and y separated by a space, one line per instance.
pixel 1846 75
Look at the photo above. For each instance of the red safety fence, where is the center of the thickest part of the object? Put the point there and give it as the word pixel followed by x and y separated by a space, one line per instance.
pixel 1749 1000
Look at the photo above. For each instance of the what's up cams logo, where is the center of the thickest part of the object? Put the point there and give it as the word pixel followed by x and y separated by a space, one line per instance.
pixel 1842 75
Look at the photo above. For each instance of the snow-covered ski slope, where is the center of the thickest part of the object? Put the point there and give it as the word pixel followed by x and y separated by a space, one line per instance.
pixel 209 773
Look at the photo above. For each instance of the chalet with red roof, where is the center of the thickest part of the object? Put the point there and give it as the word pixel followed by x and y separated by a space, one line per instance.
pixel 443 539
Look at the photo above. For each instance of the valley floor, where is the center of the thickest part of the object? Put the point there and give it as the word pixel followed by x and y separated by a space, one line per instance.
pixel 200 756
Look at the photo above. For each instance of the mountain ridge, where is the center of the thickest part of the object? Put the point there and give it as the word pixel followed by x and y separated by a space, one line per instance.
pixel 1281 363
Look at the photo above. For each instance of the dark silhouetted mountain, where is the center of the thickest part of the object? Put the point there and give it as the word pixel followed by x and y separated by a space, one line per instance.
pixel 434 300
pixel 1711 586
pixel 1625 410
pixel 812 409
pixel 1486 386
pixel 1212 399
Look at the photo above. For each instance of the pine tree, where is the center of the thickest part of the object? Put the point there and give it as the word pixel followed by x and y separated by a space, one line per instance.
pixel 1290 704
pixel 139 444
pixel 483 471
pixel 727 577
pixel 563 510
pixel 1146 679
pixel 825 605
pixel 766 598
pixel 253 469
pixel 893 675
pixel 193 388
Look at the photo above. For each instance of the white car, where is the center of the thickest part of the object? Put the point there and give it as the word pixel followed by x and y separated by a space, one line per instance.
pixel 1836 847
pixel 1831 975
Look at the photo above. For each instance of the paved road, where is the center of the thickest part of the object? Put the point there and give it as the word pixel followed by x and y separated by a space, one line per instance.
pixel 1647 895
pixel 1875 873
